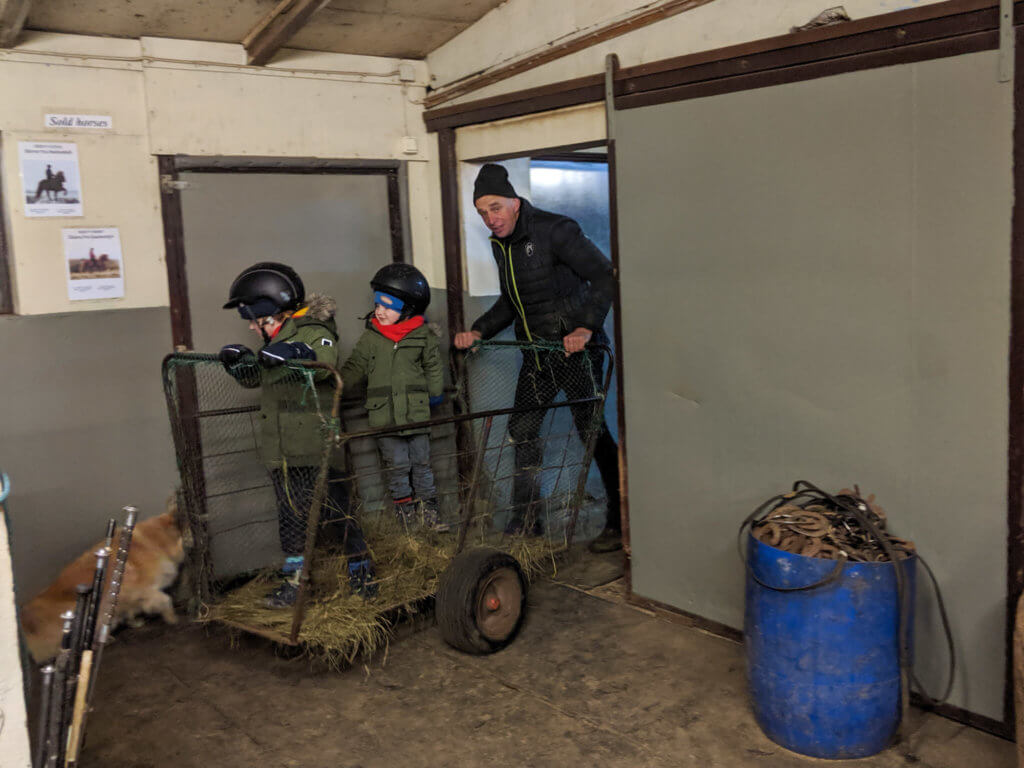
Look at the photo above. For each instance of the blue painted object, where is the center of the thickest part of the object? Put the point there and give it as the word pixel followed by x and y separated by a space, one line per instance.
pixel 823 664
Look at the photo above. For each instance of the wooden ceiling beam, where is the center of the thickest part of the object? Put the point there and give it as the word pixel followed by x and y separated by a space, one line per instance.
pixel 279 26
pixel 12 19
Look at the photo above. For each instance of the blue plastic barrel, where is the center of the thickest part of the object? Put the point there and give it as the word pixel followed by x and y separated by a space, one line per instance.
pixel 823 664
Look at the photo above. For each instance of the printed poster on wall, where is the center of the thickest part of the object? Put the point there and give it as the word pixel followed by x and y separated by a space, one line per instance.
pixel 50 180
pixel 95 263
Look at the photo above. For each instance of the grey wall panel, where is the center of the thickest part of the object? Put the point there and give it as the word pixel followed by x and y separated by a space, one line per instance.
pixel 84 430
pixel 333 229
pixel 815 284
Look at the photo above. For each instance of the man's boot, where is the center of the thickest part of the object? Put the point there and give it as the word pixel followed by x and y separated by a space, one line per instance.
pixel 525 522
pixel 609 540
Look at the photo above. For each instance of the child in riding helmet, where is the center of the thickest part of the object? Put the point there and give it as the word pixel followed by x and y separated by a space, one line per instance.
pixel 272 298
pixel 399 358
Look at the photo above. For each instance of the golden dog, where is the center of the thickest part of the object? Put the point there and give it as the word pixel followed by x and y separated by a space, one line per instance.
pixel 155 554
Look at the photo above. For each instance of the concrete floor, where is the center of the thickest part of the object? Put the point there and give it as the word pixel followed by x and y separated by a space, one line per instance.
pixel 589 682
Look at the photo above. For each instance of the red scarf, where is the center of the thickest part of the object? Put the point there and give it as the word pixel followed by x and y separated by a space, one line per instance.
pixel 398 331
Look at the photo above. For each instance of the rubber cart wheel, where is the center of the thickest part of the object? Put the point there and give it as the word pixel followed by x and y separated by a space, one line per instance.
pixel 481 601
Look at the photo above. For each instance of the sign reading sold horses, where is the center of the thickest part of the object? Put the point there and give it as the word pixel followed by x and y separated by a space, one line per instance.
pixel 51 183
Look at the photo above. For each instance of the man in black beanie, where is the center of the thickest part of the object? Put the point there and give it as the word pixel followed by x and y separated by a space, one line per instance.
pixel 556 285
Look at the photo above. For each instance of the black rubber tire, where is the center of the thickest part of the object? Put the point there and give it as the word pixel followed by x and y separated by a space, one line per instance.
pixel 456 603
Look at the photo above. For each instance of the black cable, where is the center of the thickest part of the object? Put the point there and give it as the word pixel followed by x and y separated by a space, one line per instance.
pixel 928 700
pixel 905 608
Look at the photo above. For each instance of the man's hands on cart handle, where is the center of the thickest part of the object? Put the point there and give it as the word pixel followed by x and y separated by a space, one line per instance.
pixel 574 342
pixel 577 340
pixel 466 339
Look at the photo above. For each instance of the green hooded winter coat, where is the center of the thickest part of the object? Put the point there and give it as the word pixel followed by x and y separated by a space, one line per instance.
pixel 292 421
pixel 401 377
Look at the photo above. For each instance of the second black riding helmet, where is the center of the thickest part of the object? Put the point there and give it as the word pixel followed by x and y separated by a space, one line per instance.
pixel 405 282
pixel 266 288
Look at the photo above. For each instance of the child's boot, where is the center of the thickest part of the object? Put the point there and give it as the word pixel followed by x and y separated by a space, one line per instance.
pixel 405 511
pixel 286 593
pixel 362 577
pixel 431 516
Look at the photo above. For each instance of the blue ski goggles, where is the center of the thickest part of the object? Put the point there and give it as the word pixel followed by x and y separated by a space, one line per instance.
pixel 388 301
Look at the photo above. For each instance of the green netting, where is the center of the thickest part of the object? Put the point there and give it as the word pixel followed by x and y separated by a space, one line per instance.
pixel 510 449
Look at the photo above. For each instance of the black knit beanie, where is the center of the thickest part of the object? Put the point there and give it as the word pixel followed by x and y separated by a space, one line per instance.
pixel 492 180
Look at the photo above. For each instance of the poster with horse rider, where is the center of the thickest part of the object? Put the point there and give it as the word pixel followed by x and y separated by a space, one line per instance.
pixel 50 179
pixel 95 263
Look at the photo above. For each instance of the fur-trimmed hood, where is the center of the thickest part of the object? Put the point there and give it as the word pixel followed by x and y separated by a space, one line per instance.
pixel 320 307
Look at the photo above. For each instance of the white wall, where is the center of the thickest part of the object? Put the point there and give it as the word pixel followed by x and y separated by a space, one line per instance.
pixel 546 130
pixel 186 97
pixel 14 744
pixel 119 186
pixel 539 23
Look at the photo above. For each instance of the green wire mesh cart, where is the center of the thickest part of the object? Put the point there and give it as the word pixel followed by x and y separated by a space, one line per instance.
pixel 282 461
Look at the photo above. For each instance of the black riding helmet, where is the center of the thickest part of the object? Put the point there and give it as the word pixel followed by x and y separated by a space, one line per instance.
pixel 405 282
pixel 266 289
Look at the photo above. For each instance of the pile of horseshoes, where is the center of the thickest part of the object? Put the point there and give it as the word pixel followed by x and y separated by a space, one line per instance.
pixel 814 527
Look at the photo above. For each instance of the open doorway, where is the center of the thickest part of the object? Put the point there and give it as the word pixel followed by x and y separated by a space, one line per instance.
pixel 336 226
pixel 572 182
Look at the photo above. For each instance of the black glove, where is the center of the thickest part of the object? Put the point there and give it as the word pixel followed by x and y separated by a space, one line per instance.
pixel 232 353
pixel 240 363
pixel 273 355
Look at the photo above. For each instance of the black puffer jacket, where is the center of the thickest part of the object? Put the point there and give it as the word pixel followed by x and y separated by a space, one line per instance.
pixel 553 279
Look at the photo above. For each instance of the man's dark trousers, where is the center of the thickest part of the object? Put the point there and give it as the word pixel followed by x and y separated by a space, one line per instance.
pixel 541 378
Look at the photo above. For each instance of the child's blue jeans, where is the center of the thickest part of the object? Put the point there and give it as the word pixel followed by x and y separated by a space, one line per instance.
pixel 406 461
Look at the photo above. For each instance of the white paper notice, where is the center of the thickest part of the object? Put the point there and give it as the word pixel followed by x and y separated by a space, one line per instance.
pixel 95 263
pixel 51 183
